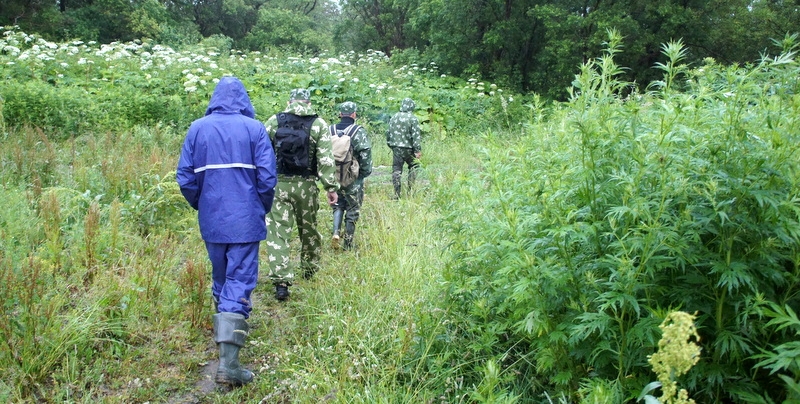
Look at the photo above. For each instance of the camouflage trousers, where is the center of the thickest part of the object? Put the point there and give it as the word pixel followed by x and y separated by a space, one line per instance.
pixel 350 201
pixel 295 207
pixel 403 156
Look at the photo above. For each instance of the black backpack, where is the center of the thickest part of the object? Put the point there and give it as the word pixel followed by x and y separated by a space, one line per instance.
pixel 292 145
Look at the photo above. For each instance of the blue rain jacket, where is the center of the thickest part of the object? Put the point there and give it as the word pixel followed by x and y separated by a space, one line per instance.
pixel 227 168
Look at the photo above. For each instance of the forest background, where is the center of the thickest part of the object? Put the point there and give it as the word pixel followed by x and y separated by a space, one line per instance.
pixel 523 45
pixel 588 226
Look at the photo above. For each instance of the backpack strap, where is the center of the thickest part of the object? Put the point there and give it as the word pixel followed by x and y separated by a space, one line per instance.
pixel 352 129
pixel 332 129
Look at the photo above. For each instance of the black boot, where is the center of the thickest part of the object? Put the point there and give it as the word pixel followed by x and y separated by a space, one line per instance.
pixel 281 291
pixel 230 331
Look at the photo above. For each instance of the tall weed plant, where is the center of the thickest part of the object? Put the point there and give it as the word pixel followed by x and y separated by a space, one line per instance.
pixel 622 207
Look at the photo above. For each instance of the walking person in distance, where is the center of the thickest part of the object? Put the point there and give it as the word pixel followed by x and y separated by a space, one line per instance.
pixel 404 138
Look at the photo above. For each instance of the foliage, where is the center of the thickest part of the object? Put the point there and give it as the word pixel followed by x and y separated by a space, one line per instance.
pixel 522 45
pixel 71 88
pixel 620 207
pixel 284 29
pixel 571 231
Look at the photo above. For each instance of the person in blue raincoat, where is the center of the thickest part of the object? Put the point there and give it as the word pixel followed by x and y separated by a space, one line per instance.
pixel 227 172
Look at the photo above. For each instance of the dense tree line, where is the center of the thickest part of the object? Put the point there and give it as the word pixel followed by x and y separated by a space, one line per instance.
pixel 528 45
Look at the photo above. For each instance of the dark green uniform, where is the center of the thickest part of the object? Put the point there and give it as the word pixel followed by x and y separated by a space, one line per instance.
pixel 403 137
pixel 297 202
pixel 351 197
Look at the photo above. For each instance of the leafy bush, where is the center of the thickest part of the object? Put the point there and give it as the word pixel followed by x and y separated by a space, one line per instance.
pixel 619 209
pixel 78 88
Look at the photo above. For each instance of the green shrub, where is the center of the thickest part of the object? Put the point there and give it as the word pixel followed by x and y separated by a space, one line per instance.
pixel 616 211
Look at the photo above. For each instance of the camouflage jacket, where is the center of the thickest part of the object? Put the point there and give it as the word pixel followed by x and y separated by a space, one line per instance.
pixel 321 144
pixel 404 128
pixel 362 150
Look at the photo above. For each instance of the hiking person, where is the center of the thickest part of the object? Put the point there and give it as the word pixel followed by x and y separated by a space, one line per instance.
pixel 352 151
pixel 403 137
pixel 226 172
pixel 302 145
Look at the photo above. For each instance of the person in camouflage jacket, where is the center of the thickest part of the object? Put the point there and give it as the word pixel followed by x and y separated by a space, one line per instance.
pixel 297 199
pixel 348 206
pixel 403 137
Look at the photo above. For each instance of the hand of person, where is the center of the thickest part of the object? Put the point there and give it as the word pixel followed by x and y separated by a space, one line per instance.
pixel 333 197
pixel 418 155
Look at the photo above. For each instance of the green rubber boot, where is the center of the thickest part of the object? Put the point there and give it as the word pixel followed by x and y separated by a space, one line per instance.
pixel 230 333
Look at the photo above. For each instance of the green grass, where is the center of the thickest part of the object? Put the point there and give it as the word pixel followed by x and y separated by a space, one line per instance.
pixel 119 309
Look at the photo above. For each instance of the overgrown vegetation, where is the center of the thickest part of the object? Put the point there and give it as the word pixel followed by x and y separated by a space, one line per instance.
pixel 543 248
pixel 617 210
pixel 525 45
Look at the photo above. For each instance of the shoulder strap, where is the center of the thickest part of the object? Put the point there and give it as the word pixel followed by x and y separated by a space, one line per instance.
pixel 332 129
pixel 351 130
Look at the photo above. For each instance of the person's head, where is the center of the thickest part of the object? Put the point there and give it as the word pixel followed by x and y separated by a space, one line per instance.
pixel 231 96
pixel 408 105
pixel 348 108
pixel 301 95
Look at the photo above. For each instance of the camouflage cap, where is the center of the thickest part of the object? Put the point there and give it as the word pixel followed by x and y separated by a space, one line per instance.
pixel 300 94
pixel 408 104
pixel 347 107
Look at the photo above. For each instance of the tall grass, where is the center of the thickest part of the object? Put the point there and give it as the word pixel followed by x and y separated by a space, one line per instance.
pixel 111 273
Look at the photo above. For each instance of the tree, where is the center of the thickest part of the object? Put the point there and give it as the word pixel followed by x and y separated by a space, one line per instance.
pixel 378 24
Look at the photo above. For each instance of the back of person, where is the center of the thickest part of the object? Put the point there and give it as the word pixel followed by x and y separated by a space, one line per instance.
pixel 402 126
pixel 220 146
pixel 352 143
pixel 347 167
pixel 226 171
pixel 404 138
pixel 293 144
pixel 303 149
